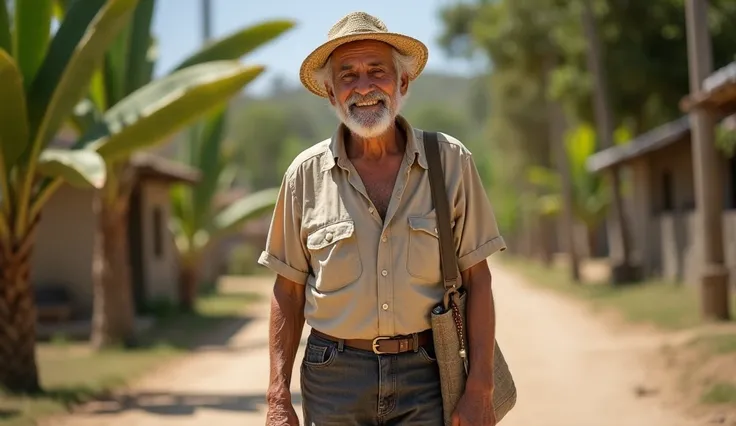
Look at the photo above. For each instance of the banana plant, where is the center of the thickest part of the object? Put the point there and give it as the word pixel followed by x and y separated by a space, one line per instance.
pixel 127 110
pixel 591 193
pixel 41 80
pixel 197 221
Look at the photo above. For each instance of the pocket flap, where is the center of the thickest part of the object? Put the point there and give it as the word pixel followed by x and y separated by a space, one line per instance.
pixel 426 224
pixel 330 234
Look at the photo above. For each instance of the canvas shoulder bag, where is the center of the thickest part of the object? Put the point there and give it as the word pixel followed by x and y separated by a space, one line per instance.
pixel 449 317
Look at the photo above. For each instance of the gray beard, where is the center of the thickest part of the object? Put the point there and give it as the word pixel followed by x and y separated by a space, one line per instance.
pixel 369 124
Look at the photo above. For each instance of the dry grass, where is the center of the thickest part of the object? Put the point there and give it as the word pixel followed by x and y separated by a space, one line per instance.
pixel 665 305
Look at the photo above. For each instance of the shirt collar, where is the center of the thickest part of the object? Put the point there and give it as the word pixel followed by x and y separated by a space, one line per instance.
pixel 414 148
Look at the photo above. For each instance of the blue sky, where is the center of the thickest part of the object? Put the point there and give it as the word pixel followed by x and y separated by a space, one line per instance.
pixel 178 29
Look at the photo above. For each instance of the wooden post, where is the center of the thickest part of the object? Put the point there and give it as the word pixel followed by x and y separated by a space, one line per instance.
pixel 708 183
pixel 206 20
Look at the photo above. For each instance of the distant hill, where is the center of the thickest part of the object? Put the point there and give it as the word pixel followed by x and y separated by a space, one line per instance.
pixel 264 133
pixel 454 94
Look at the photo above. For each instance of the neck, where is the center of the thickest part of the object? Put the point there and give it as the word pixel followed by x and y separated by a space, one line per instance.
pixel 391 142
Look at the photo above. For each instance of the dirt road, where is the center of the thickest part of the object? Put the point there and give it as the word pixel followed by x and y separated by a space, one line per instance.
pixel 571 370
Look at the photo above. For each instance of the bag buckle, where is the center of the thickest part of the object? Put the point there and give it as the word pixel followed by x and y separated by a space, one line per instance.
pixel 376 344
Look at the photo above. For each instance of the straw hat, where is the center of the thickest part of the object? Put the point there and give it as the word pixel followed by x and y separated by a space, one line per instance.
pixel 359 26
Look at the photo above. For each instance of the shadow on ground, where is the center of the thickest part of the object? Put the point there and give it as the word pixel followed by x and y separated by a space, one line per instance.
pixel 6 414
pixel 178 404
pixel 210 327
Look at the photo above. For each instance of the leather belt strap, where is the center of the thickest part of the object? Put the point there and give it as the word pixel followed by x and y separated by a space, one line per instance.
pixel 385 345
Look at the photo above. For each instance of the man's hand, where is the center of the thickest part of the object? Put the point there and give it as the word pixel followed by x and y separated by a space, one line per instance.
pixel 285 330
pixel 475 408
pixel 281 414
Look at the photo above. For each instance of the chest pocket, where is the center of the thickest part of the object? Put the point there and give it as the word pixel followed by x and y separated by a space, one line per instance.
pixel 334 256
pixel 423 259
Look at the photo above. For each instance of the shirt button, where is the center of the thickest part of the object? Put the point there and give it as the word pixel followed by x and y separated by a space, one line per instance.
pixel 328 237
pixel 385 306
pixel 370 210
pixel 384 272
pixel 384 238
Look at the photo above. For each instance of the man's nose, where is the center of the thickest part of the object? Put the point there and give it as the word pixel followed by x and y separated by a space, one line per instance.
pixel 364 86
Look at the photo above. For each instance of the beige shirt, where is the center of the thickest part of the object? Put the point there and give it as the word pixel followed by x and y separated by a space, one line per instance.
pixel 365 277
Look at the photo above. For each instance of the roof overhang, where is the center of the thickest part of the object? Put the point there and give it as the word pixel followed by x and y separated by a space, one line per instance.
pixel 154 167
pixel 653 140
pixel 718 93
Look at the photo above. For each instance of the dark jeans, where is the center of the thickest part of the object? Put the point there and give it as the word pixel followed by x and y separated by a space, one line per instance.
pixel 352 387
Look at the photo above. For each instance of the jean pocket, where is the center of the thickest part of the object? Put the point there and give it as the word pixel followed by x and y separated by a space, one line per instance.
pixel 428 354
pixel 319 355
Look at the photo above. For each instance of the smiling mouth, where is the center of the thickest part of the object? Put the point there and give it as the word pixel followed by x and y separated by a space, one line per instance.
pixel 368 104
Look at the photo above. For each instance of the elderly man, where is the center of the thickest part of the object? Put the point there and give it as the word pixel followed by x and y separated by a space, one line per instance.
pixel 354 244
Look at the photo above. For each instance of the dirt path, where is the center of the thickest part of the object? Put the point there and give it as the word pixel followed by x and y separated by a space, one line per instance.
pixel 571 370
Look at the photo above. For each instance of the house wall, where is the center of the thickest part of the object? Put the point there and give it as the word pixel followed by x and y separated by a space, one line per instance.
pixel 666 235
pixel 681 248
pixel 63 251
pixel 160 266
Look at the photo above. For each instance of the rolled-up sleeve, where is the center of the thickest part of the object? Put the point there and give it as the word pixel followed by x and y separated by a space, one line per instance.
pixel 476 231
pixel 285 253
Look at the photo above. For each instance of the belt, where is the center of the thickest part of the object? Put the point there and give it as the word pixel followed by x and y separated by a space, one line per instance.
pixel 385 345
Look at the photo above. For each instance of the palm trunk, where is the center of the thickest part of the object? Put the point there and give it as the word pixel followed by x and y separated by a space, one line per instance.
pixel 18 370
pixel 188 284
pixel 113 320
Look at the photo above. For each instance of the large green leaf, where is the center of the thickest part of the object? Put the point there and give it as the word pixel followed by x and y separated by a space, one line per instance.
pixel 85 116
pixel 32 32
pixel 139 47
pixel 181 209
pixel 75 53
pixel 115 67
pixel 242 210
pixel 13 120
pixel 80 168
pixel 166 105
pixel 238 44
pixel 6 40
pixel 207 161
pixel 97 90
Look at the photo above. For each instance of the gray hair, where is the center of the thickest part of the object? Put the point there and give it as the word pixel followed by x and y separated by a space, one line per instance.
pixel 404 64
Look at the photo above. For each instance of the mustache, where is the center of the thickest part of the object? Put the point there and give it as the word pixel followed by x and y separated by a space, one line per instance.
pixel 372 96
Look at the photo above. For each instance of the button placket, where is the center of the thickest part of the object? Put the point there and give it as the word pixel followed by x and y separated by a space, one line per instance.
pixel 385 287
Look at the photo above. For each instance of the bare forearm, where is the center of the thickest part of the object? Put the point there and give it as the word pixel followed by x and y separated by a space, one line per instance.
pixel 481 326
pixel 285 330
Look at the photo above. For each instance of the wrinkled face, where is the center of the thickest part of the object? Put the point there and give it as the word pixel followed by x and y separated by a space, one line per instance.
pixel 366 91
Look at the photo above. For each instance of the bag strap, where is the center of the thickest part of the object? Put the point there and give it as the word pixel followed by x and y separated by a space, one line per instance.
pixel 448 259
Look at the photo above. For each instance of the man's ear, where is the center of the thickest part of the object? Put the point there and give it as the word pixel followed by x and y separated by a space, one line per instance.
pixel 330 94
pixel 404 84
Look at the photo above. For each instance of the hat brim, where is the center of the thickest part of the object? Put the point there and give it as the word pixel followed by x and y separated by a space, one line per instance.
pixel 404 44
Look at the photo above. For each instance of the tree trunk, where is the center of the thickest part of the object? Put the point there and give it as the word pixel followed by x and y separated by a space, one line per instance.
pixel 605 130
pixel 188 285
pixel 18 370
pixel 113 316
pixel 592 241
pixel 557 125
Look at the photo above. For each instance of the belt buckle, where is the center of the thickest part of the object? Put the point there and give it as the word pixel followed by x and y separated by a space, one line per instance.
pixel 375 344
